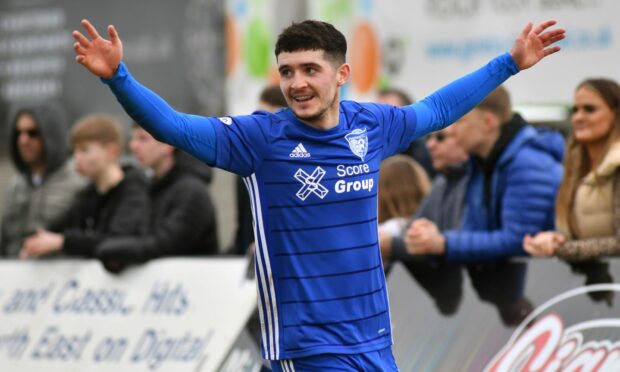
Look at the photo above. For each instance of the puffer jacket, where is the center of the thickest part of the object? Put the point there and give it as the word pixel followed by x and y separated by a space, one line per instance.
pixel 520 198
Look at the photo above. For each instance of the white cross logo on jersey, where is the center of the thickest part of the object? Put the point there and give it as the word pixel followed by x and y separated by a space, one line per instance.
pixel 311 183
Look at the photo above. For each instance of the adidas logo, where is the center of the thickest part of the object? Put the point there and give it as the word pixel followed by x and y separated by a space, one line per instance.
pixel 299 152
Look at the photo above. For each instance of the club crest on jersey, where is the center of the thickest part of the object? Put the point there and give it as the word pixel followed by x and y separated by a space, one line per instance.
pixel 226 120
pixel 358 142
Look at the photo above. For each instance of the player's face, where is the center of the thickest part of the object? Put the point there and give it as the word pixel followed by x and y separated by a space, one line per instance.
pixel 310 84
pixel 592 118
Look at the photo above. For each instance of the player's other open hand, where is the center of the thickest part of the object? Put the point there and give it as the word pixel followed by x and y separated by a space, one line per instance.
pixel 98 55
pixel 535 43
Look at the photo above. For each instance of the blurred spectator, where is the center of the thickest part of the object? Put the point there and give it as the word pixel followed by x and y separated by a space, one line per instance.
pixel 115 202
pixel 441 280
pixel 403 184
pixel 271 99
pixel 194 166
pixel 515 172
pixel 45 183
pixel 588 204
pixel 444 204
pixel 500 283
pixel 182 221
pixel 417 149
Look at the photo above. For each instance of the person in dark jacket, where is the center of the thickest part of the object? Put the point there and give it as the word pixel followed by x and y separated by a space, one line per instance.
pixel 45 183
pixel 514 175
pixel 115 202
pixel 182 220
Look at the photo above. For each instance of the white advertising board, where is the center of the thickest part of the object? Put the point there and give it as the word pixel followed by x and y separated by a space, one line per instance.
pixel 167 315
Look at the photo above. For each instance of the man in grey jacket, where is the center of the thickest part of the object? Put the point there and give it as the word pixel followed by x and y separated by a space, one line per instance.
pixel 45 183
pixel 444 204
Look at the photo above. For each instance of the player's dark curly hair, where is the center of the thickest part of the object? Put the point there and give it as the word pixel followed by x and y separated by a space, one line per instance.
pixel 313 35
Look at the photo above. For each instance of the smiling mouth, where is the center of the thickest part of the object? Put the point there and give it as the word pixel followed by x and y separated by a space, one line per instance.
pixel 302 99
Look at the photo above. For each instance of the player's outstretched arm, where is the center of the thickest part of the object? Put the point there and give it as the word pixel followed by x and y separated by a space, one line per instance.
pixel 452 101
pixel 536 43
pixel 98 55
pixel 103 58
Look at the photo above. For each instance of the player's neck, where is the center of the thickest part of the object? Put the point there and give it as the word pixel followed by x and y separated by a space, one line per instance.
pixel 322 123
pixel 326 120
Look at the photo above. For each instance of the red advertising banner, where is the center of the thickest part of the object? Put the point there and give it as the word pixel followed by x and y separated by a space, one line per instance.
pixel 529 315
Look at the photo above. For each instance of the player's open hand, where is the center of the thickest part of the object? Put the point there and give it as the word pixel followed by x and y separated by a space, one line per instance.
pixel 534 44
pixel 98 55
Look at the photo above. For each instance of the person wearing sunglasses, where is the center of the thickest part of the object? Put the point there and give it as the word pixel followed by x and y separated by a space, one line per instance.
pixel 44 183
pixel 588 204
pixel 444 204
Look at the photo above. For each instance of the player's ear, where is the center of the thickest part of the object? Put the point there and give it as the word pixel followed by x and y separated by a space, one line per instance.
pixel 344 72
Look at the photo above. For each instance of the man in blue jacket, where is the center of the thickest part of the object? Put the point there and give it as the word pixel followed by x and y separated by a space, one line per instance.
pixel 515 174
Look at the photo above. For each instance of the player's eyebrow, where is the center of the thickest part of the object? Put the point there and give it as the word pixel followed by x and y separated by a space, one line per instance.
pixel 302 65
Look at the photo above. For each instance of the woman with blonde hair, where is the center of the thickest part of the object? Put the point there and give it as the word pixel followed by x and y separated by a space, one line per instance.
pixel 588 203
pixel 403 183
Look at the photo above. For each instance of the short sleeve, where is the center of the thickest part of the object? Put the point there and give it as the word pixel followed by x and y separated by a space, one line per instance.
pixel 242 141
pixel 398 126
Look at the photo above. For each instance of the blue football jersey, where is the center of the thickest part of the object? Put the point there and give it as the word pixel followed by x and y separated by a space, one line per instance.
pixel 314 198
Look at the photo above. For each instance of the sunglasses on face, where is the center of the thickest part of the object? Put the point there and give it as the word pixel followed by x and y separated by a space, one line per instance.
pixel 439 137
pixel 586 108
pixel 32 133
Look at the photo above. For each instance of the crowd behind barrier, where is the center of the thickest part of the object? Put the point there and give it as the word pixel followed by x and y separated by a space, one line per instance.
pixel 488 197
pixel 96 207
